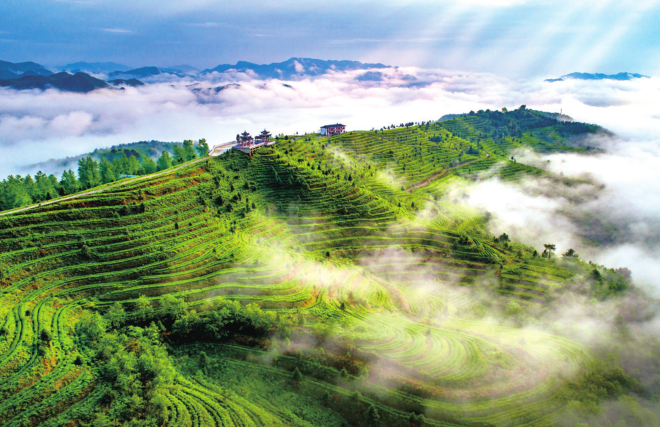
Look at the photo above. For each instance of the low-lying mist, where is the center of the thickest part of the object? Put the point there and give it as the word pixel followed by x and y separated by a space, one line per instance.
pixel 604 206
pixel 36 126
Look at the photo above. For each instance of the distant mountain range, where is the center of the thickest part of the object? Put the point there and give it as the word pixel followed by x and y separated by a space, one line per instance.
pixel 79 82
pixel 137 72
pixel 75 77
pixel 9 70
pixel 597 76
pixel 293 67
pixel 94 67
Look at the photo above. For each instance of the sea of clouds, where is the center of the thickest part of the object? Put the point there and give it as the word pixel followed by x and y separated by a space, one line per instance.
pixel 622 198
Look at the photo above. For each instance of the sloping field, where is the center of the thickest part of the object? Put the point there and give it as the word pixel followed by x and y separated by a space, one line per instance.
pixel 319 232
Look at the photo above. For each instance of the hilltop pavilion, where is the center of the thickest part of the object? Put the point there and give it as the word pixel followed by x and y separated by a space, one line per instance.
pixel 248 144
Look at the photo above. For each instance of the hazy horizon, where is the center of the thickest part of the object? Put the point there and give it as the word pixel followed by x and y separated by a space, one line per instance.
pixel 509 38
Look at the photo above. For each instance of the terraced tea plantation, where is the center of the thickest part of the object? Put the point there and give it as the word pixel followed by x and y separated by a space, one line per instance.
pixel 324 281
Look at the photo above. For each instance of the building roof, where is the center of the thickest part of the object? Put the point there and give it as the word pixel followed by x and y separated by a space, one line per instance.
pixel 332 126
pixel 245 133
pixel 265 132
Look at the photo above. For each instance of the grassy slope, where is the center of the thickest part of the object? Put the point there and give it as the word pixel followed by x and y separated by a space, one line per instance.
pixel 315 239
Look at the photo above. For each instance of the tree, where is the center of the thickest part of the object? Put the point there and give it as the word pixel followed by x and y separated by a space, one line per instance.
pixel 133 165
pixel 297 375
pixel 88 172
pixel 202 148
pixel 30 187
pixel 44 186
pixel 165 161
pixel 14 193
pixel 372 414
pixel 175 307
pixel 571 254
pixel 115 315
pixel 107 171
pixel 148 167
pixel 189 149
pixel 549 250
pixel 504 110
pixel 69 182
pixel 121 165
pixel 143 308
pixel 179 154
pixel 188 322
pixel 504 238
pixel 625 272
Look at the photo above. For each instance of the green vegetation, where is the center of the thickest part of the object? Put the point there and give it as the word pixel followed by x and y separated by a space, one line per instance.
pixel 322 282
pixel 17 191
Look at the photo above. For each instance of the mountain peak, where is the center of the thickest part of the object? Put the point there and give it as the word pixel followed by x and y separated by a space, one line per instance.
pixel 78 82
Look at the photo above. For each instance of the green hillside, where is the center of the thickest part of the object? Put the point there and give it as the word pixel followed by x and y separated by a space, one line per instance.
pixel 323 282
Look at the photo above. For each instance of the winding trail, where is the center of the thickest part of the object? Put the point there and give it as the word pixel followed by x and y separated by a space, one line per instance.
pixel 99 190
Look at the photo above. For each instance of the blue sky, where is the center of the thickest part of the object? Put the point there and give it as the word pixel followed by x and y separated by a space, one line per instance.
pixel 510 38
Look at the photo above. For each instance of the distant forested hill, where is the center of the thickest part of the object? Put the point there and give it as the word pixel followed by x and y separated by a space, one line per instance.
pixel 141 149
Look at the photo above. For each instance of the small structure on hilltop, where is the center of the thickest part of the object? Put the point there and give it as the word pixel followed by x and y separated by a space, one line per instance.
pixel 245 138
pixel 264 136
pixel 248 145
pixel 336 129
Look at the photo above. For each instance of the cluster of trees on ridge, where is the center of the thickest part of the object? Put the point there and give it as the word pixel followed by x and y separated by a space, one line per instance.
pixel 17 191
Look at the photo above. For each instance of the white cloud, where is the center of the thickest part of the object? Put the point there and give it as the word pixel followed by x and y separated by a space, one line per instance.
pixel 299 67
pixel 615 221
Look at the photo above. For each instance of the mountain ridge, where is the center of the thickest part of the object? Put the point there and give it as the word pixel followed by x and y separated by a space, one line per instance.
pixel 598 76
pixel 11 70
pixel 295 66
pixel 78 82
pixel 94 67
